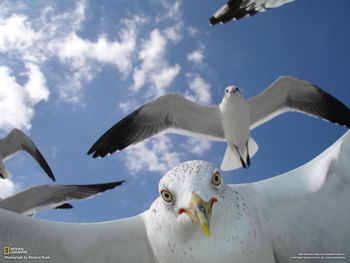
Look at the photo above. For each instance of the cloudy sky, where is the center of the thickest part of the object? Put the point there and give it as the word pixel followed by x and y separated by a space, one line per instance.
pixel 70 69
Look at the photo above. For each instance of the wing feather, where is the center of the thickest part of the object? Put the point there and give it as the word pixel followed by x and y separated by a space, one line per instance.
pixel 172 113
pixel 42 197
pixel 291 94
pixel 307 209
pixel 115 241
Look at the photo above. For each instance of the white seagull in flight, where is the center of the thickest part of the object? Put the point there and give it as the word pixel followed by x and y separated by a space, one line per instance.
pixel 17 141
pixel 237 9
pixel 41 197
pixel 230 121
pixel 199 218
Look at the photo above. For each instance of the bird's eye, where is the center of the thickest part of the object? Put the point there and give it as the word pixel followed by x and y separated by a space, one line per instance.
pixel 166 195
pixel 216 179
pixel 226 90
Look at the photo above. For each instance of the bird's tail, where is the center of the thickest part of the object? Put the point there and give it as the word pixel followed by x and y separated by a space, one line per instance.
pixel 235 157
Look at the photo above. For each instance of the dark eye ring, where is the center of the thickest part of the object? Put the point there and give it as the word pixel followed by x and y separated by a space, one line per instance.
pixel 216 179
pixel 166 195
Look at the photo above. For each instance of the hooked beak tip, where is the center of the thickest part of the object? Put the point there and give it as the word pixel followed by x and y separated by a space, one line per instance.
pixel 205 229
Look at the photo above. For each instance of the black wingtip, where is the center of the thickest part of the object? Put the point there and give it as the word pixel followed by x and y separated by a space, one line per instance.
pixel 91 150
pixel 213 21
pixel 50 174
pixel 45 166
pixel 94 152
pixel 52 177
pixel 106 186
pixel 336 112
pixel 64 206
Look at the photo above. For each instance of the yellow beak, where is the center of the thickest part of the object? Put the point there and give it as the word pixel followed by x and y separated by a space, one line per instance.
pixel 199 211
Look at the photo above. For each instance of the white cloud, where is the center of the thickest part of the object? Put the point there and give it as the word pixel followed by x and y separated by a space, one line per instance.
pixel 171 10
pixel 192 31
pixel 81 55
pixel 200 89
pixel 78 51
pixel 164 78
pixel 197 56
pixel 155 155
pixel 52 35
pixel 16 34
pixel 154 69
pixel 200 93
pixel 36 87
pixel 16 101
pixel 174 32
pixel 197 146
pixel 7 188
pixel 128 105
pixel 30 42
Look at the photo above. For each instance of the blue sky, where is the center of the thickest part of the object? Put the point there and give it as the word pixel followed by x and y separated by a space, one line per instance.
pixel 70 69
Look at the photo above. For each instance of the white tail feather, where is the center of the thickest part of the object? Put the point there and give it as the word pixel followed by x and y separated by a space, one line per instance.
pixel 253 147
pixel 231 158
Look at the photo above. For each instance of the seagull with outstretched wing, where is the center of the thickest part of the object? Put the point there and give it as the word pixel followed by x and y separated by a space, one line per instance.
pixel 230 121
pixel 199 218
pixel 17 141
pixel 42 197
pixel 237 9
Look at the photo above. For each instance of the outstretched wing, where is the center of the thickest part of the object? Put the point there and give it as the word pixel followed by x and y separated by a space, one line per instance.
pixel 172 112
pixel 16 141
pixel 307 209
pixel 42 197
pixel 292 94
pixel 115 241
pixel 237 9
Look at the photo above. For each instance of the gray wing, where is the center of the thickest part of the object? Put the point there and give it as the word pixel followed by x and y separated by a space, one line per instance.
pixel 171 112
pixel 237 9
pixel 108 242
pixel 291 94
pixel 16 141
pixel 42 197
pixel 307 209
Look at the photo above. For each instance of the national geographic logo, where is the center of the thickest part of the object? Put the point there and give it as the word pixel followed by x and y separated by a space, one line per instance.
pixel 20 253
pixel 6 251
pixel 14 251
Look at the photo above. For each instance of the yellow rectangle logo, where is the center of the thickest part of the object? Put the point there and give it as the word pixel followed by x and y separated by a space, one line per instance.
pixel 6 250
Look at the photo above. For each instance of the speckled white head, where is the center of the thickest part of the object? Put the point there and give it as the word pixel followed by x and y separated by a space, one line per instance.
pixel 175 228
pixel 188 177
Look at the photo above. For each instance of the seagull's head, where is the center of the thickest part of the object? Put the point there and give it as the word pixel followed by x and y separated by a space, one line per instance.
pixel 197 218
pixel 188 193
pixel 232 92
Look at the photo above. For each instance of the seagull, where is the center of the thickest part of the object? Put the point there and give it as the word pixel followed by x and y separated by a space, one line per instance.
pixel 199 218
pixel 230 121
pixel 237 9
pixel 17 141
pixel 41 197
